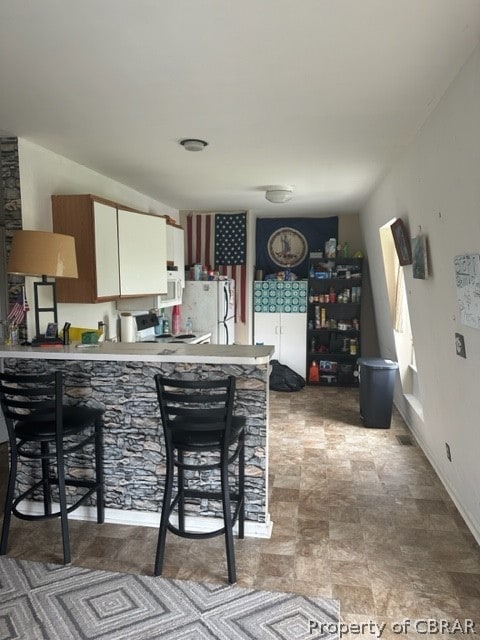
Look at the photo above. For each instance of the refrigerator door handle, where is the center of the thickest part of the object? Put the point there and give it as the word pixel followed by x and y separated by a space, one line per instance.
pixel 225 306
pixel 227 337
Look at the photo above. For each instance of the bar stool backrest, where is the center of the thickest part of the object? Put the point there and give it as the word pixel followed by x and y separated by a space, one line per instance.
pixel 200 405
pixel 26 397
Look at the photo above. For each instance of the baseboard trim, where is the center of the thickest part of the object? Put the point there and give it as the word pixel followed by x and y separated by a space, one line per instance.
pixel 198 524
pixel 471 523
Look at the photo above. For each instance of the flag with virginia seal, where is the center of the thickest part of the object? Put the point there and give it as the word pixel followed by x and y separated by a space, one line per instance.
pixel 283 243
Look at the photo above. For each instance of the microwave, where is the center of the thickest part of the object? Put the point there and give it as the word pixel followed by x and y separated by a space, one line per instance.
pixel 172 297
pixel 174 291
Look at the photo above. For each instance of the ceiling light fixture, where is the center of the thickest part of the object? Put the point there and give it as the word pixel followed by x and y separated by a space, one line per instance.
pixel 278 194
pixel 193 144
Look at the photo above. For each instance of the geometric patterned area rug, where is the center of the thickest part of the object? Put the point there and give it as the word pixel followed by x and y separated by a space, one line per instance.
pixel 52 602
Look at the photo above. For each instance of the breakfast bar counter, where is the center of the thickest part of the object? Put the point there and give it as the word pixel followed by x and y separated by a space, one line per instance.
pixel 151 351
pixel 119 377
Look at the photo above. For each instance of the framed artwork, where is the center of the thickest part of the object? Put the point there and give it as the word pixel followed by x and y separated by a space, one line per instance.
pixel 402 242
pixel 419 257
pixel 467 279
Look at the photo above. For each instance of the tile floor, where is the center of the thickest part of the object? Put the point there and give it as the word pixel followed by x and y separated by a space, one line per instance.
pixel 357 515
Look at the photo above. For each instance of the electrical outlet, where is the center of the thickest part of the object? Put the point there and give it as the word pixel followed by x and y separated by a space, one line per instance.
pixel 449 453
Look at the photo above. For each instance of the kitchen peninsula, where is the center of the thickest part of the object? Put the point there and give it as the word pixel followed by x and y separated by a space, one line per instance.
pixel 119 377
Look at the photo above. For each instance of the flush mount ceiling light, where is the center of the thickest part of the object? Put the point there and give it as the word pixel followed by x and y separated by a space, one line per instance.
pixel 278 194
pixel 193 144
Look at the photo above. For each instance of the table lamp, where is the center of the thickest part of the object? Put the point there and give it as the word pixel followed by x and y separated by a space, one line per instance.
pixel 44 254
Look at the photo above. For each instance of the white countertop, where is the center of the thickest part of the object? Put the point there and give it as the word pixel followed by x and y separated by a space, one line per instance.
pixel 147 351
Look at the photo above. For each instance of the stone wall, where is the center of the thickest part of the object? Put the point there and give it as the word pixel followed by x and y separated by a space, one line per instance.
pixel 11 215
pixel 134 451
pixel 10 220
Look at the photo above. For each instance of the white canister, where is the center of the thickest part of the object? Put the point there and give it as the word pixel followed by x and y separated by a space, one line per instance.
pixel 128 328
pixel 197 271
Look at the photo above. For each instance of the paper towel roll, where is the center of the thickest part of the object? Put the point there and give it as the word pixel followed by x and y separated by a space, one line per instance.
pixel 128 330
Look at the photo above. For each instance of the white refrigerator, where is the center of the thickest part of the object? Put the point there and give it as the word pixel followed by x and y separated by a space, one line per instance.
pixel 211 306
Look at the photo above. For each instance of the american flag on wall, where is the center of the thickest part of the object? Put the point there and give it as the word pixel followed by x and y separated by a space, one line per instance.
pixel 19 308
pixel 219 240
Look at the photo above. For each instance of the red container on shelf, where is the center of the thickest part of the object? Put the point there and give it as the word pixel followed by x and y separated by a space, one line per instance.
pixel 313 374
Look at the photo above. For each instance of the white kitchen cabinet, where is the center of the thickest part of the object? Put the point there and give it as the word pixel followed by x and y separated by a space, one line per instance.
pixel 93 223
pixel 142 250
pixel 106 250
pixel 175 278
pixel 176 249
pixel 280 319
pixel 120 252
pixel 287 332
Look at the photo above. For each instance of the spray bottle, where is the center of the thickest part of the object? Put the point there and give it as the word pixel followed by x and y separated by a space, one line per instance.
pixel 176 320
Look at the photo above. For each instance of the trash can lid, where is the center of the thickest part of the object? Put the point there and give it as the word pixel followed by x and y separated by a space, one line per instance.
pixel 377 363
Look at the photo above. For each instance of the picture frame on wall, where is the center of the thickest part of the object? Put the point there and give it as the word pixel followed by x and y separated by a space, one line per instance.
pixel 402 242
pixel 419 257
pixel 467 280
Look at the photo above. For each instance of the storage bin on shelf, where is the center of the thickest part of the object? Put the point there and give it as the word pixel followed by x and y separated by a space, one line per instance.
pixel 77 332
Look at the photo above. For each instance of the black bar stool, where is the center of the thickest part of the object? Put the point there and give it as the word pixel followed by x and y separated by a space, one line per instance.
pixel 197 418
pixel 40 427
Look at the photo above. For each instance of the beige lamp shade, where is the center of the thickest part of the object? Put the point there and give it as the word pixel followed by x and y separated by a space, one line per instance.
pixel 43 253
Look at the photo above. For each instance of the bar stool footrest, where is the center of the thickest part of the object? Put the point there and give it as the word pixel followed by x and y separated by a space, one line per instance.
pixel 205 534
pixel 57 514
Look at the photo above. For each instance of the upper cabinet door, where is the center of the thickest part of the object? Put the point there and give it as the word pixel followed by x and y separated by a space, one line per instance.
pixel 93 224
pixel 142 246
pixel 106 250
pixel 176 249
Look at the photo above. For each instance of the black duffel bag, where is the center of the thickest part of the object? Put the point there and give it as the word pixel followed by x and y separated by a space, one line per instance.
pixel 282 378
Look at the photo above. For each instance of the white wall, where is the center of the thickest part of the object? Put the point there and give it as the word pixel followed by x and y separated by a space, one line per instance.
pixel 435 187
pixel 43 173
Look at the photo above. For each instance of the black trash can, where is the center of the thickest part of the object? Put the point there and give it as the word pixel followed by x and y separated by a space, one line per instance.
pixel 377 384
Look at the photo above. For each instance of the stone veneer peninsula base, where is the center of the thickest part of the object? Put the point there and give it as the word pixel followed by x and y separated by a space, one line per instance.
pixel 119 378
